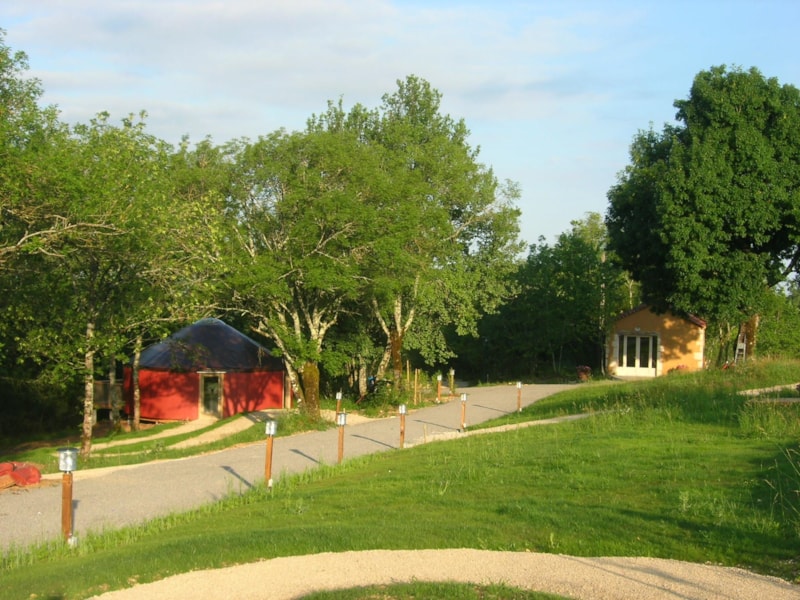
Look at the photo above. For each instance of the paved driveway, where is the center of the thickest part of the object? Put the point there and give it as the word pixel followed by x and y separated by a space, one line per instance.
pixel 114 497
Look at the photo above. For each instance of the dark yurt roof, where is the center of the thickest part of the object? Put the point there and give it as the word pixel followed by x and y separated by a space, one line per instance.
pixel 209 344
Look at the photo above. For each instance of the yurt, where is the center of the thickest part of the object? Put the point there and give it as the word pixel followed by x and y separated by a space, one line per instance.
pixel 206 368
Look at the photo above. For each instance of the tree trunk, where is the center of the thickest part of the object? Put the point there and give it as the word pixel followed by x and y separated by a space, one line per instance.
pixel 394 335
pixel 751 330
pixel 396 340
pixel 137 394
pixel 310 377
pixel 114 395
pixel 88 394
pixel 296 389
pixel 384 364
pixel 357 375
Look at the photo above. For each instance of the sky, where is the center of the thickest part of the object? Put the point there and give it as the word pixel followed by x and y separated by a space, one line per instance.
pixel 553 92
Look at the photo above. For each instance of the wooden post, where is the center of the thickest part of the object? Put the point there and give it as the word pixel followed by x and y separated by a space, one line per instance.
pixel 341 421
pixel 402 410
pixel 66 505
pixel 268 463
pixel 519 396
pixel 463 412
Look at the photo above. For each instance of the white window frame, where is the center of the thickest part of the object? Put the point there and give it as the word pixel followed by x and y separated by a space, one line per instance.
pixel 623 351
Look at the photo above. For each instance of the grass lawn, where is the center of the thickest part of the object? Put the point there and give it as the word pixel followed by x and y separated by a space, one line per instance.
pixel 682 467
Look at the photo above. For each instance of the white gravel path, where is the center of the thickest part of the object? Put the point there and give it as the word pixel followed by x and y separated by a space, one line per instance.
pixel 572 577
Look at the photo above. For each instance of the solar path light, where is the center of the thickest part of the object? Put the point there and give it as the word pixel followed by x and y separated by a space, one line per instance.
pixel 271 430
pixel 67 463
pixel 341 421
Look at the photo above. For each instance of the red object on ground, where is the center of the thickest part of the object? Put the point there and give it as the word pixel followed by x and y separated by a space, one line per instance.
pixel 22 473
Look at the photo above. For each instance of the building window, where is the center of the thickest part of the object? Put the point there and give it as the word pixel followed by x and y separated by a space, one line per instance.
pixel 637 351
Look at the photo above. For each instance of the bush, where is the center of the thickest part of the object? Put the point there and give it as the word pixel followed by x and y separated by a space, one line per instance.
pixel 37 407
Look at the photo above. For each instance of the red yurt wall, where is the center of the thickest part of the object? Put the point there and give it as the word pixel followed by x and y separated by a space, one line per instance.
pixel 255 390
pixel 165 395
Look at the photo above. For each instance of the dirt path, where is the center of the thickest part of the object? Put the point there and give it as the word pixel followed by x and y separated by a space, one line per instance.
pixel 572 577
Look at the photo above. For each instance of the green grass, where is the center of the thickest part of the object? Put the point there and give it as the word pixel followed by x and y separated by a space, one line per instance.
pixel 149 449
pixel 440 591
pixel 680 467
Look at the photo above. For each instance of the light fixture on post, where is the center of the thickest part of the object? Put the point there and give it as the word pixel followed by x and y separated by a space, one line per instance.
pixel 271 429
pixel 463 412
pixel 67 463
pixel 341 421
pixel 402 411
pixel 519 396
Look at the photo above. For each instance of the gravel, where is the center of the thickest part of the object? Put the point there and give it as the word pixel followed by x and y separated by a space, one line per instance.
pixel 572 577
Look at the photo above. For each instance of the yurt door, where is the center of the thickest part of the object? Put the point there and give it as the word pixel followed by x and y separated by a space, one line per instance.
pixel 211 393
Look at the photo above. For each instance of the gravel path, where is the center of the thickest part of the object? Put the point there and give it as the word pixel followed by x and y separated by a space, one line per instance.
pixel 572 577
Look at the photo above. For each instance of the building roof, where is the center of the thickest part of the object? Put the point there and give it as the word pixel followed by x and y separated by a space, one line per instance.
pixel 689 317
pixel 209 345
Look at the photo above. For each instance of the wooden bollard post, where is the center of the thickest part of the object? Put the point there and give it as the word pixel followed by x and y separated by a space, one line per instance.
pixel 341 421
pixel 66 505
pixel 67 463
pixel 271 430
pixel 402 410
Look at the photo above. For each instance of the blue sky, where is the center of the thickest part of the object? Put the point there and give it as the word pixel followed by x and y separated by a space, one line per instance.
pixel 553 92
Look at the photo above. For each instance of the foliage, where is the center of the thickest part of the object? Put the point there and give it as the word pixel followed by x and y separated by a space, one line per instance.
pixel 367 221
pixel 706 214
pixel 569 294
pixel 302 228
pixel 780 322
pixel 34 407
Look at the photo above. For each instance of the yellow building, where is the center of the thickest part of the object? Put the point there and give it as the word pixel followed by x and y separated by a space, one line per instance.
pixel 645 344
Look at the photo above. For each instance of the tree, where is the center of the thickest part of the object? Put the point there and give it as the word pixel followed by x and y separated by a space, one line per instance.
pixel 101 277
pixel 180 233
pixel 568 294
pixel 382 211
pixel 298 236
pixel 707 215
pixel 445 231
pixel 30 221
pixel 779 323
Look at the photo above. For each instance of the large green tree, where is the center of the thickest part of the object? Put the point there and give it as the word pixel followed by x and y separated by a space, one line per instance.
pixel 444 229
pixel 99 284
pixel 300 229
pixel 707 215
